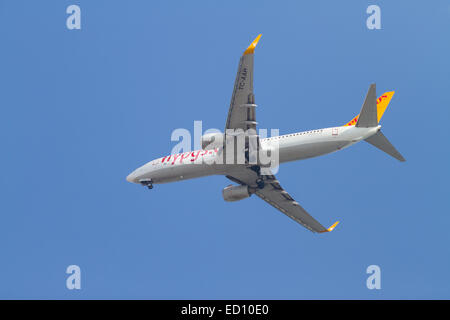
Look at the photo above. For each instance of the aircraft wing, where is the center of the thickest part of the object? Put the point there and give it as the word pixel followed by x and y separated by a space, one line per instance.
pixel 276 196
pixel 241 114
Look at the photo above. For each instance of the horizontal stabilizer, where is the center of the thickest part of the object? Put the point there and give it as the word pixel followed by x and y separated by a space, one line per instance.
pixel 381 142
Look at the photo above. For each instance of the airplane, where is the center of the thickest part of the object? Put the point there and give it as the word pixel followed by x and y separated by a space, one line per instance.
pixel 251 178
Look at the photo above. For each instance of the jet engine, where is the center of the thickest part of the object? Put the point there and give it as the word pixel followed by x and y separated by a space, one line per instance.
pixel 212 140
pixel 235 193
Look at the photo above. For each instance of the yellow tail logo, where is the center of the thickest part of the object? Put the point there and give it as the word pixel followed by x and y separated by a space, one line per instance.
pixel 382 103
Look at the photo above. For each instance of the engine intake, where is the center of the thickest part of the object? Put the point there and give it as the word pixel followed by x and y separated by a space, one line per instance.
pixel 235 193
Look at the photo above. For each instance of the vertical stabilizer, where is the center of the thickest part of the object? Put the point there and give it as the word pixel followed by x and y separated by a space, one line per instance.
pixel 382 104
pixel 368 116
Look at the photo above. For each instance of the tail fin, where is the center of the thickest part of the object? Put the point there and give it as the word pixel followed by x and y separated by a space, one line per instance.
pixel 382 104
pixel 371 113
pixel 368 116
pixel 381 142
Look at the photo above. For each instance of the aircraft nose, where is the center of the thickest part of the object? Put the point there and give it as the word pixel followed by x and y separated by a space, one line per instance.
pixel 131 177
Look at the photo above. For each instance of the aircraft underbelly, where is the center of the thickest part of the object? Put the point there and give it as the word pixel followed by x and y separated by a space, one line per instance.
pixel 309 150
pixel 172 173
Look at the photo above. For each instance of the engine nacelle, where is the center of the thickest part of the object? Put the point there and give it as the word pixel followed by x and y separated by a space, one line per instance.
pixel 212 140
pixel 235 193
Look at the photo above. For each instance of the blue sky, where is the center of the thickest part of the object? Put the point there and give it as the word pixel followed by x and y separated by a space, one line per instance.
pixel 80 109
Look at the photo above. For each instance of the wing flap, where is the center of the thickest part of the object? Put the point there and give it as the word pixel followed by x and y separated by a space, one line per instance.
pixel 279 198
pixel 283 201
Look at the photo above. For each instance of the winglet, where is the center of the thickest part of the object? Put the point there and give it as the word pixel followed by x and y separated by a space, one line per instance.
pixel 252 46
pixel 330 228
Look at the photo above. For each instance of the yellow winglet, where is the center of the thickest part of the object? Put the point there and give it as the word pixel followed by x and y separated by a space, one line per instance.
pixel 330 228
pixel 252 46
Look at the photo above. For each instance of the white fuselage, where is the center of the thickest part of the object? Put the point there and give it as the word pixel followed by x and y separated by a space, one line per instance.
pixel 295 146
